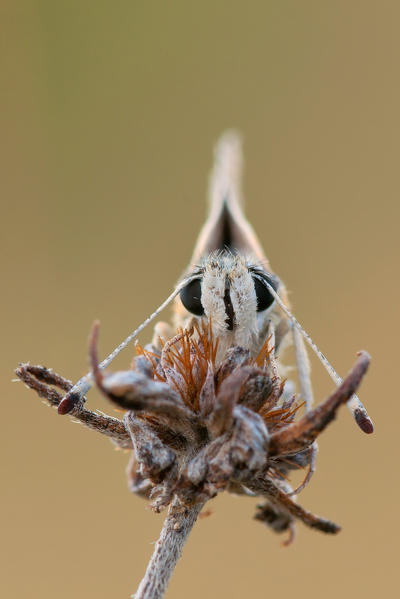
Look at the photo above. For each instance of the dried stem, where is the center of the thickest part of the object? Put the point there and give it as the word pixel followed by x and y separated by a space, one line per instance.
pixel 301 434
pixel 40 379
pixel 176 529
pixel 265 486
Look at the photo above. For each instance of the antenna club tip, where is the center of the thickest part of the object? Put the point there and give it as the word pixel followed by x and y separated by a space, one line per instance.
pixel 364 421
pixel 67 404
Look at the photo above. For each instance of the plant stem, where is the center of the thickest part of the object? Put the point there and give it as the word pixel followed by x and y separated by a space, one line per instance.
pixel 176 529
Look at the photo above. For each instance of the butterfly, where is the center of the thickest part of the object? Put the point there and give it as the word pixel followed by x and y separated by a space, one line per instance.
pixel 230 285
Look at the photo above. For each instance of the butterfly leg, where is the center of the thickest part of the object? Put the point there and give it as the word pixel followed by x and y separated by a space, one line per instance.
pixel 304 374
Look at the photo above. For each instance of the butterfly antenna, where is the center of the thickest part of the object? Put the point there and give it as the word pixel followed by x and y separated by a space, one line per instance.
pixel 355 406
pixel 75 395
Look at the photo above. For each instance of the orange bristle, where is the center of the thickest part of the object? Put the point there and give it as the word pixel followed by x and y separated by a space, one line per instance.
pixel 264 353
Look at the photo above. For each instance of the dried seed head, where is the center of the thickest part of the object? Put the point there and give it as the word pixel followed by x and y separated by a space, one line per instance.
pixel 199 426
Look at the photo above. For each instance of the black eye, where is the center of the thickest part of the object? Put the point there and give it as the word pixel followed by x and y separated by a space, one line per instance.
pixel 191 297
pixel 264 297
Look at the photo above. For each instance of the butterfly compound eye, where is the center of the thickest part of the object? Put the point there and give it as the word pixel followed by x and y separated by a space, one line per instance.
pixel 191 297
pixel 264 297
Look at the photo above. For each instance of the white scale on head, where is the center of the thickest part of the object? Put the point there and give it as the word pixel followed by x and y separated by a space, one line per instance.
pixel 230 282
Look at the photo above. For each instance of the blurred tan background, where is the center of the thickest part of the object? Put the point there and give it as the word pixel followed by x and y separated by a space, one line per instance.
pixel 109 112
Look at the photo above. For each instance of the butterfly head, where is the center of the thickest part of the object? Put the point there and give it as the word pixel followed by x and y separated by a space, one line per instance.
pixel 233 294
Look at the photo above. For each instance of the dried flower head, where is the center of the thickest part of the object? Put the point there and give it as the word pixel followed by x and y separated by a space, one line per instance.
pixel 199 428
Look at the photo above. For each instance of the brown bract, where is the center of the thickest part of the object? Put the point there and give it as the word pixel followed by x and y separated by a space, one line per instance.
pixel 198 427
